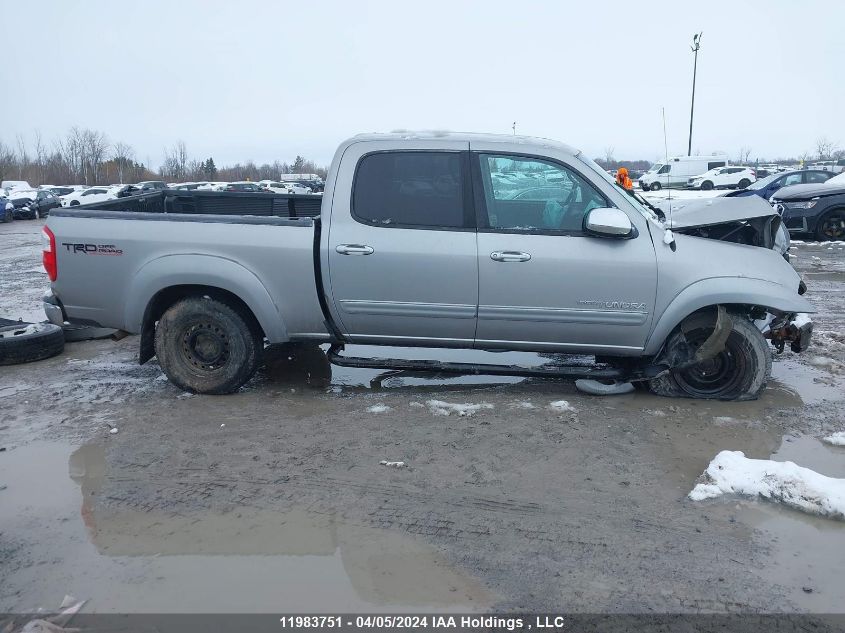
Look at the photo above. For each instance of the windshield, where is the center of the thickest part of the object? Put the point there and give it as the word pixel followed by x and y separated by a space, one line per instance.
pixel 655 167
pixel 639 205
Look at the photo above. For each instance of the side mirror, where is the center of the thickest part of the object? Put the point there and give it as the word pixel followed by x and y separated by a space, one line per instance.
pixel 608 222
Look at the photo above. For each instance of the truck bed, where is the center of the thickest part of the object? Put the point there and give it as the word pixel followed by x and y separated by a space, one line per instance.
pixel 114 257
pixel 214 203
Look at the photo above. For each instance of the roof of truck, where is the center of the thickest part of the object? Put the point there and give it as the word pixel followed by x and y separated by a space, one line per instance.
pixel 509 139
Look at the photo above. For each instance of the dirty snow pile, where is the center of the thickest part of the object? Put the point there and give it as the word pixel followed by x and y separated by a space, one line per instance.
pixel 731 472
pixel 837 439
pixel 438 407
pixel 378 408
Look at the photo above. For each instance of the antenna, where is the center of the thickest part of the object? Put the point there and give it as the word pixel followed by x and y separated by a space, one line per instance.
pixel 666 153
pixel 514 128
pixel 668 236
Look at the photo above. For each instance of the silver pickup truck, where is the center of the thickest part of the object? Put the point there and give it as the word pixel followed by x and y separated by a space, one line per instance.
pixel 442 240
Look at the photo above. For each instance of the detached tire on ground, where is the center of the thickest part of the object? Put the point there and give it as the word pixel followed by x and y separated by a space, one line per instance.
pixel 738 372
pixel 206 346
pixel 27 342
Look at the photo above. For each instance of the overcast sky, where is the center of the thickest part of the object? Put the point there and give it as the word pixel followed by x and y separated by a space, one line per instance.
pixel 241 80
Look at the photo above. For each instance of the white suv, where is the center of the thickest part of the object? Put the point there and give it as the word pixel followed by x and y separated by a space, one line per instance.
pixel 723 178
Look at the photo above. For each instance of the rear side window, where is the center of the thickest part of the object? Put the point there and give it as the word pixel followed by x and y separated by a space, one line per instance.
pixel 815 177
pixel 715 165
pixel 411 189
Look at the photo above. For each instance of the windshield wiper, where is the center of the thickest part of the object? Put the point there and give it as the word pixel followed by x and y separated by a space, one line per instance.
pixel 658 212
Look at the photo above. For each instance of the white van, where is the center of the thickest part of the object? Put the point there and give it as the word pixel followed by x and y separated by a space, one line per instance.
pixel 678 170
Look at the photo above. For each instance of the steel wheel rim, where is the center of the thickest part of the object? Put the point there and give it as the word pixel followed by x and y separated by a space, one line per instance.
pixel 205 346
pixel 718 376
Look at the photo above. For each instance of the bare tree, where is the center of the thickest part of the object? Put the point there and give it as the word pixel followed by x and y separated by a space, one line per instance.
pixel 96 145
pixel 123 155
pixel 744 155
pixel 40 156
pixel 825 148
pixel 23 157
pixel 608 154
pixel 8 162
pixel 175 165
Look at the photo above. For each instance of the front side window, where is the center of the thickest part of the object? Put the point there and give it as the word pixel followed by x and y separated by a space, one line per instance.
pixel 533 194
pixel 665 169
pixel 419 189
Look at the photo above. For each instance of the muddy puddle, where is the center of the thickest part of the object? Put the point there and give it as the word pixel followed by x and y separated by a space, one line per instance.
pixel 66 540
pixel 807 553
pixel 792 384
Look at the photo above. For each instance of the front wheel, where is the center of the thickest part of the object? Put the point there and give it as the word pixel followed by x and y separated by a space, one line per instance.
pixel 206 346
pixel 738 372
pixel 831 226
pixel 655 186
pixel 707 185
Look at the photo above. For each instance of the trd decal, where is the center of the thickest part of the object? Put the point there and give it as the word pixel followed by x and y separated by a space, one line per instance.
pixel 92 249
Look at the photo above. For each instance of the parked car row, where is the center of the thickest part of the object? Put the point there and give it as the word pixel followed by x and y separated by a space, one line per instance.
pixel 814 208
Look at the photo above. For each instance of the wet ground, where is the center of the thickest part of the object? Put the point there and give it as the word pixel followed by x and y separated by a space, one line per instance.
pixel 117 487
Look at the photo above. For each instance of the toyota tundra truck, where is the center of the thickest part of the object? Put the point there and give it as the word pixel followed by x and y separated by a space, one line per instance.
pixel 440 240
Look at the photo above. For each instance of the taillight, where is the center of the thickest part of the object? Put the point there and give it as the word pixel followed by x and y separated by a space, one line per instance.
pixel 48 253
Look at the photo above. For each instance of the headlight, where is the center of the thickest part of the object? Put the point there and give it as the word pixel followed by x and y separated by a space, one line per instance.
pixel 809 204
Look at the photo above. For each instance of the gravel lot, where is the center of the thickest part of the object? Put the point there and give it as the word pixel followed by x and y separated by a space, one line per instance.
pixel 273 499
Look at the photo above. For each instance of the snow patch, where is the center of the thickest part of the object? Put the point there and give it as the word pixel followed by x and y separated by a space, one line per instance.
pixel 837 439
pixel 439 407
pixel 562 406
pixel 522 404
pixel 731 472
pixel 390 464
pixel 378 408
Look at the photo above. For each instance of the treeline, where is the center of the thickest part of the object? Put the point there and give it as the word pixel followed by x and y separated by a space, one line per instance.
pixel 89 157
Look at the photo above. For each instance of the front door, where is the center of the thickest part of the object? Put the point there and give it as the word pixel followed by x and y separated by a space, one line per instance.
pixel 543 282
pixel 403 263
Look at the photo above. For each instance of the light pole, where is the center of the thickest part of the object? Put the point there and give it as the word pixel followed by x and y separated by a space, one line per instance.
pixel 696 44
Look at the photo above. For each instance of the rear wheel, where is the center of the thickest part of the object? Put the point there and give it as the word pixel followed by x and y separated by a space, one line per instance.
pixel 707 185
pixel 744 183
pixel 206 346
pixel 738 372
pixel 831 226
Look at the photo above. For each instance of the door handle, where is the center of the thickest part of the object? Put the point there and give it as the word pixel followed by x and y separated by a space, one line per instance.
pixel 510 256
pixel 354 249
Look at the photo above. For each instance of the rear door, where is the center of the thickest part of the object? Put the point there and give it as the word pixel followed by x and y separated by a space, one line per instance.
pixel 402 257
pixel 543 282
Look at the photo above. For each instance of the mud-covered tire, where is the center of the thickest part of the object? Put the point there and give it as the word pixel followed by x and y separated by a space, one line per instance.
pixel 207 346
pixel 739 372
pixel 28 342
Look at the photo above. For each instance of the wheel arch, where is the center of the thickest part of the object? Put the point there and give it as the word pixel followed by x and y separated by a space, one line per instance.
pixel 733 293
pixel 164 281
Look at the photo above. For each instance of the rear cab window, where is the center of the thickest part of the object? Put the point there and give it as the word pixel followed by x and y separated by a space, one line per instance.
pixel 422 189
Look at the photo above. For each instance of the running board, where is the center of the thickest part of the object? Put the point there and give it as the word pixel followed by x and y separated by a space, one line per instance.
pixel 566 371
